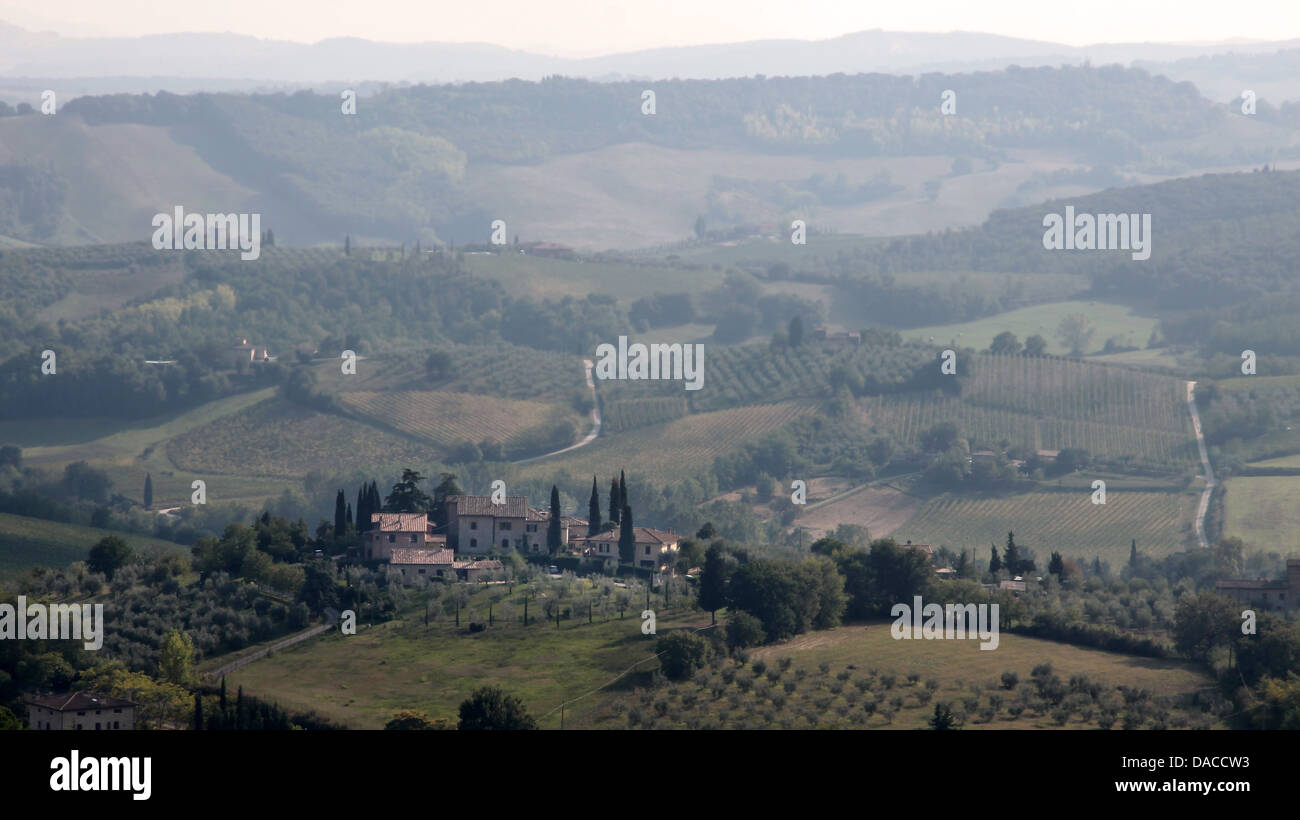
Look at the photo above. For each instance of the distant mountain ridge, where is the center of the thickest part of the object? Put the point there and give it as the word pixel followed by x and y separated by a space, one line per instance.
pixel 225 55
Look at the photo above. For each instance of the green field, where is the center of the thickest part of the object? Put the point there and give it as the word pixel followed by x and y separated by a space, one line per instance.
pixel 29 542
pixel 445 419
pixel 1263 512
pixel 674 450
pixel 1065 521
pixel 1108 319
pixel 540 277
pixel 362 680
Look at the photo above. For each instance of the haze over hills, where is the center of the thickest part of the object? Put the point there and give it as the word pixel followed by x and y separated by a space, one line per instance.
pixel 184 62
pixel 576 162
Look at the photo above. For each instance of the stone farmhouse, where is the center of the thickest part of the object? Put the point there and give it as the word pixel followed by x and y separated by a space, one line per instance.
pixel 1283 594
pixel 654 548
pixel 391 531
pixel 80 710
pixel 439 564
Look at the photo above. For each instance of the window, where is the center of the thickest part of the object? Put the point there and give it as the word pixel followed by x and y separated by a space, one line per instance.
pixel 97 726
pixel 473 525
pixel 532 528
pixel 116 725
pixel 504 525
pixel 473 542
pixel 422 571
pixel 80 714
pixel 392 538
pixel 117 711
pixel 505 542
pixel 647 550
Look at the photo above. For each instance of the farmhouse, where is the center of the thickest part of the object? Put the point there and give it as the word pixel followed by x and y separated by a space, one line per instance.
pixel 825 336
pixel 412 563
pixel 1283 594
pixel 475 524
pixel 390 531
pixel 242 351
pixel 654 548
pixel 80 710
pixel 473 571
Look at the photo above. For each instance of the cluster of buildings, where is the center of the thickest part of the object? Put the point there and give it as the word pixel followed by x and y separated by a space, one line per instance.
pixel 414 547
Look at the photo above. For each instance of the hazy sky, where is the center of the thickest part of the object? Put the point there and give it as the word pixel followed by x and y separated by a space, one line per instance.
pixel 588 27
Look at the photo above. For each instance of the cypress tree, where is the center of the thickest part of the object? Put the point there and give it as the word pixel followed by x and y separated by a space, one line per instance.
pixel 340 515
pixel 614 506
pixel 222 702
pixel 593 510
pixel 995 563
pixel 1011 557
pixel 622 490
pixel 198 712
pixel 554 533
pixel 349 520
pixel 363 520
pixel 626 537
pixel 1133 554
pixel 148 491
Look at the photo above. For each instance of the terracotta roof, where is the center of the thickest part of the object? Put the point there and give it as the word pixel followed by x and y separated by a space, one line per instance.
pixel 644 535
pixel 399 522
pixel 79 702
pixel 415 555
pixel 515 506
pixel 489 564
pixel 1049 453
pixel 925 548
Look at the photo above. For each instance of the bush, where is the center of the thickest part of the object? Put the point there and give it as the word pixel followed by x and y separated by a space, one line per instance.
pixel 681 653
pixel 744 630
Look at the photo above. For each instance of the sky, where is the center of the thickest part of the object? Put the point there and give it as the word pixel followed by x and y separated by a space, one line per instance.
pixel 578 28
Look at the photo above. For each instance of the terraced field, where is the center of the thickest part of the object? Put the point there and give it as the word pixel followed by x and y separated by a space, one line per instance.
pixel 279 438
pixel 445 418
pixel 1064 521
pixel 671 451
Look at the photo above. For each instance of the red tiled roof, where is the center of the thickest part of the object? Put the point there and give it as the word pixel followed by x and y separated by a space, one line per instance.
pixel 399 522
pixel 515 506
pixel 490 564
pixel 415 555
pixel 79 702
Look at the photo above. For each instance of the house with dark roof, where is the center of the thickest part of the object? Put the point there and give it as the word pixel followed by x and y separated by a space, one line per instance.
pixel 80 710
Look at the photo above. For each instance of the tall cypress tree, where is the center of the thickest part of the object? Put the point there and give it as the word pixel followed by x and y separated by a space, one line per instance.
pixel 614 498
pixel 593 510
pixel 198 712
pixel 554 534
pixel 148 491
pixel 340 515
pixel 1011 557
pixel 349 520
pixel 995 563
pixel 1133 554
pixel 626 537
pixel 363 520
pixel 622 490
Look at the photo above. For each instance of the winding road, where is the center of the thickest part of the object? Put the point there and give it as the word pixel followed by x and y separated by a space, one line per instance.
pixel 1204 505
pixel 595 420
